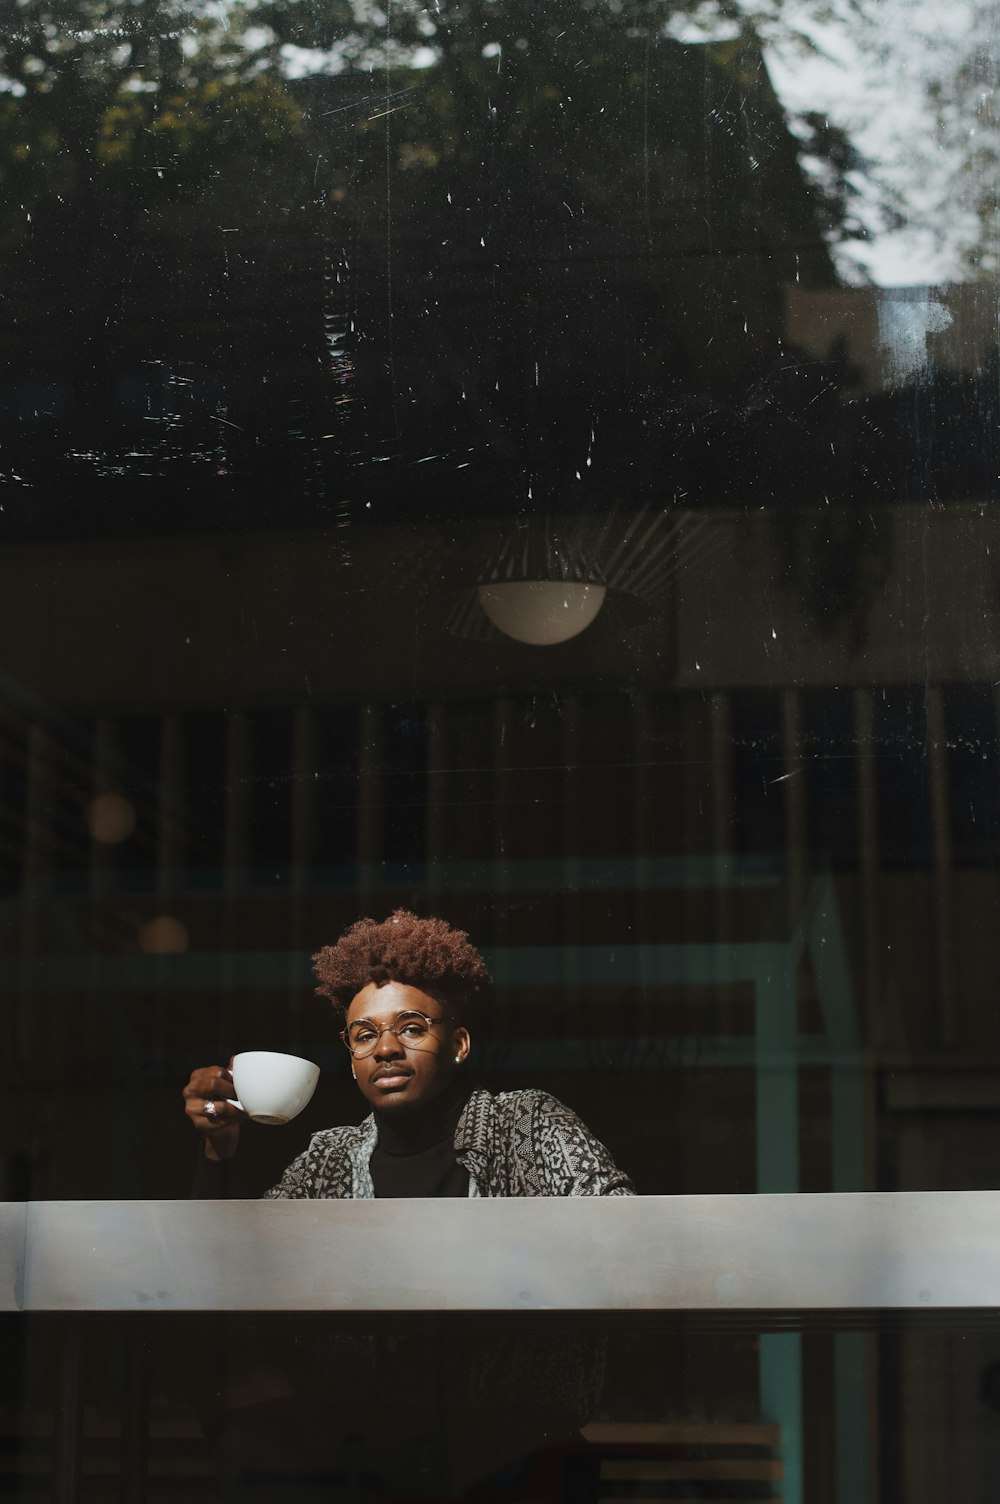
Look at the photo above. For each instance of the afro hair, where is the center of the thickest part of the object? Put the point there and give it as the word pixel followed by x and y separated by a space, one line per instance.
pixel 424 953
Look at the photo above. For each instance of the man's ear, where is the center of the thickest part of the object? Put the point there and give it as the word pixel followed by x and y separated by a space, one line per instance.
pixel 461 1045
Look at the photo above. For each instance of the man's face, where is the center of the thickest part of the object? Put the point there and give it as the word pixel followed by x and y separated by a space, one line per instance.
pixel 405 1070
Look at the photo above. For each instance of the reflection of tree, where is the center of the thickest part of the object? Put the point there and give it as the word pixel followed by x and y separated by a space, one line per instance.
pixel 152 167
pixel 80 74
pixel 964 92
pixel 525 267
pixel 610 228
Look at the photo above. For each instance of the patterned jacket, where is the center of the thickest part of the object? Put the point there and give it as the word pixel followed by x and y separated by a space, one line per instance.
pixel 517 1143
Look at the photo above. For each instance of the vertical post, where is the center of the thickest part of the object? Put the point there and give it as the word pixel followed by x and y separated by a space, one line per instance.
pixel 503 719
pixel 642 844
pixel 169 830
pixel 169 851
pixel 571 842
pixel 134 1466
pixel 723 844
pixel 370 809
pixel 303 844
pixel 778 1170
pixel 101 859
pixel 438 763
pixel 98 1009
pixel 8 1019
pixel 236 855
pixel 781 1403
pixel 796 834
pixel 850 1407
pixel 67 1433
pixel 39 758
pixel 100 881
pixel 852 1351
pixel 721 714
pixel 937 753
pixel 35 873
pixel 237 836
pixel 777 1072
pixel 834 983
pixel 868 845
pixel 849 1113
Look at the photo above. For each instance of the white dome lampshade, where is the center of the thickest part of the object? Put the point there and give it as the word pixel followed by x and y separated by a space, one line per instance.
pixel 549 577
pixel 541 612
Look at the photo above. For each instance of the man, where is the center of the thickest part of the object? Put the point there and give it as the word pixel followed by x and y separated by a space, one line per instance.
pixel 406 992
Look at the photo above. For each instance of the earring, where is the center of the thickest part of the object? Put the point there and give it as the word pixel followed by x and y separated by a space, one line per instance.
pixel 458 1060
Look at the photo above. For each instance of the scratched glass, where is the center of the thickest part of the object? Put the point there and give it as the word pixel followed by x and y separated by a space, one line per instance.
pixel 535 463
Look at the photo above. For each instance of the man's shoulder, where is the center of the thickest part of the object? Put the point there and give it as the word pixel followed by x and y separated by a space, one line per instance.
pixel 506 1105
pixel 527 1101
pixel 524 1113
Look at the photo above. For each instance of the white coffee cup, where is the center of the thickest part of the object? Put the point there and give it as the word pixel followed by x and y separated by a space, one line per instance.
pixel 273 1088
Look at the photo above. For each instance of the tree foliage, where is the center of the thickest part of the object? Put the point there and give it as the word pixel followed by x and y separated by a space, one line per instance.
pixel 550 236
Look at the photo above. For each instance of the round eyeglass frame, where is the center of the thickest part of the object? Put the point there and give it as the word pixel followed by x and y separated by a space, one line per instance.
pixel 393 1028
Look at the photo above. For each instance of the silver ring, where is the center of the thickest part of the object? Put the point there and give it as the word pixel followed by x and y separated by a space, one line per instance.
pixel 210 1109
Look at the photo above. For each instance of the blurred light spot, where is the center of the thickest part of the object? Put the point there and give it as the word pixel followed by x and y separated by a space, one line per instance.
pixel 163 936
pixel 111 819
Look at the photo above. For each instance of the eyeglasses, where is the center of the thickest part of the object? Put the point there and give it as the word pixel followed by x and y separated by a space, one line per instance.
pixel 412 1030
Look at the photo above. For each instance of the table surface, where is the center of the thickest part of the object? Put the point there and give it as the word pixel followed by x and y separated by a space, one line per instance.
pixel 907 1251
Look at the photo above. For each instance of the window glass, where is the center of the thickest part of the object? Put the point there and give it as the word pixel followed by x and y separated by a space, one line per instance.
pixel 533 465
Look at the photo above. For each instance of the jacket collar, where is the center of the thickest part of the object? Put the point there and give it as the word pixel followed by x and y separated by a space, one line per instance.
pixel 474 1134
pixel 473 1139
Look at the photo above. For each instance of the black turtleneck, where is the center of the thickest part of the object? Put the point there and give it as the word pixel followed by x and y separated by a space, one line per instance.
pixel 415 1153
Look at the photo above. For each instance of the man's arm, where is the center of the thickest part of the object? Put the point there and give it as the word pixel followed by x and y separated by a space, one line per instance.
pixel 321 1172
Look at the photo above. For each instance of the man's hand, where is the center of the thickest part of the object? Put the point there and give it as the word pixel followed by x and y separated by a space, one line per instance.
pixel 209 1108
